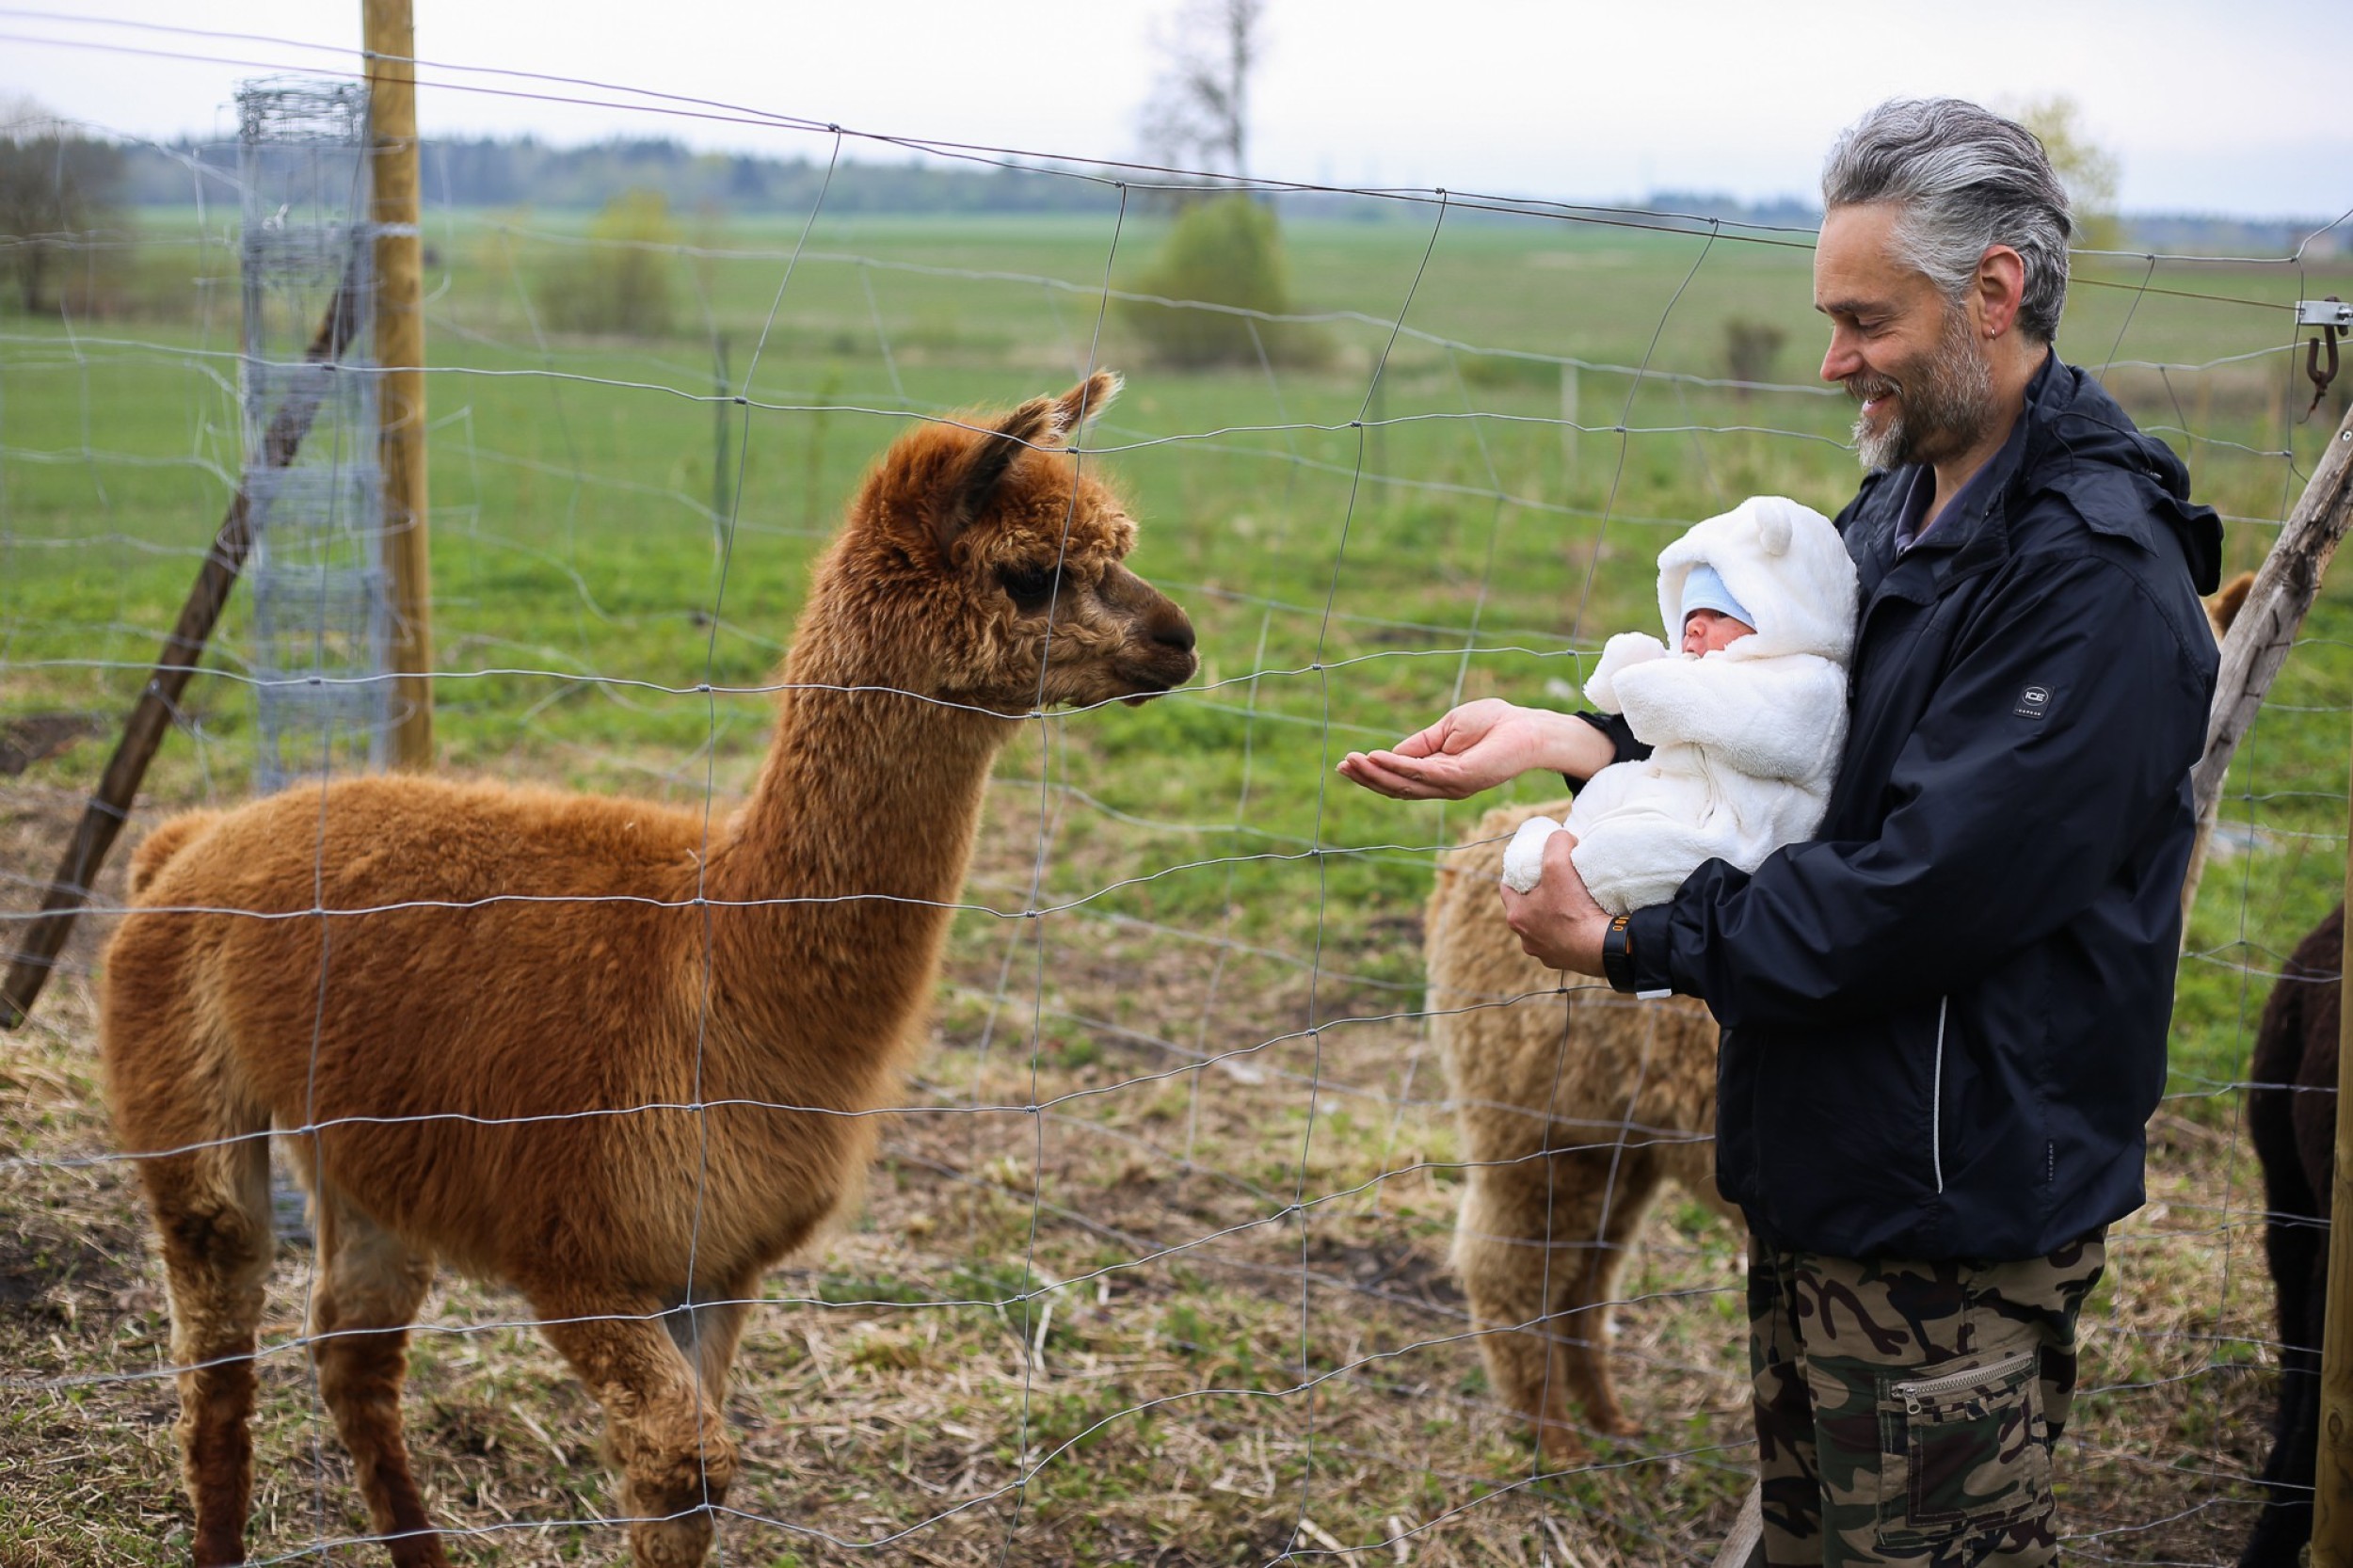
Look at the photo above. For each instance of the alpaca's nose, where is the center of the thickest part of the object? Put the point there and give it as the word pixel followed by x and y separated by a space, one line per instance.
pixel 1175 629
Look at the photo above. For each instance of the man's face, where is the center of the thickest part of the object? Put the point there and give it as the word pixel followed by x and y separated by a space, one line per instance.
pixel 1906 353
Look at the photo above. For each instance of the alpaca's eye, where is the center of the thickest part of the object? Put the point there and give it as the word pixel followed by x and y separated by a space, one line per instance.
pixel 1031 588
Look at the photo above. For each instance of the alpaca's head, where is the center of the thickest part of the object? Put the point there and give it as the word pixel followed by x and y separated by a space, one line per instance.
pixel 981 564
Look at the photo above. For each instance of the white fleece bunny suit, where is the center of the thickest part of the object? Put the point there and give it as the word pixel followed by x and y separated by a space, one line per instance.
pixel 1747 738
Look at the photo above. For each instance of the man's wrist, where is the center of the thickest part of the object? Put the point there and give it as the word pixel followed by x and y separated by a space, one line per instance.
pixel 1576 747
pixel 1617 953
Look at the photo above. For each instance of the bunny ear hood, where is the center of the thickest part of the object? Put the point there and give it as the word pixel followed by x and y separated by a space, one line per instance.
pixel 1781 560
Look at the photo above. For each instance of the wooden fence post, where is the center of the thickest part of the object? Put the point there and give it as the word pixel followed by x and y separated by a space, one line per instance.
pixel 1569 432
pixel 390 44
pixel 2332 1499
pixel 2332 1477
pixel 2259 640
pixel 109 806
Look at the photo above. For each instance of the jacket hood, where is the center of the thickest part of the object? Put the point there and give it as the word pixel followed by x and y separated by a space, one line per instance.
pixel 1785 561
pixel 2083 447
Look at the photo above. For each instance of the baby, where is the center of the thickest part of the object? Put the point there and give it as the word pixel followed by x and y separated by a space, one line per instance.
pixel 1745 723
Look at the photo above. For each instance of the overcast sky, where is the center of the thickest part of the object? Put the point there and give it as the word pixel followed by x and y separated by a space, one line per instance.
pixel 2228 108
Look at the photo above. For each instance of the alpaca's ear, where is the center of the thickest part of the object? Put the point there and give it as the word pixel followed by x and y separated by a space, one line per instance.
pixel 991 458
pixel 1084 402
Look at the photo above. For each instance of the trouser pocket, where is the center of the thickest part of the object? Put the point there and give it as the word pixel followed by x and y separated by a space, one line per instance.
pixel 1963 1448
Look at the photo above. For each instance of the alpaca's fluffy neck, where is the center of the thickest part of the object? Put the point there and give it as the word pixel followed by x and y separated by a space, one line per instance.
pixel 862 821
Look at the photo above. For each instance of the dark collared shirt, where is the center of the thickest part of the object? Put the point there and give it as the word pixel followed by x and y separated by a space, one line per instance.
pixel 1912 521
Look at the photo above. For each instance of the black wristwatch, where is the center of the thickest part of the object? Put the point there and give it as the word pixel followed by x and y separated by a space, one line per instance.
pixel 1617 953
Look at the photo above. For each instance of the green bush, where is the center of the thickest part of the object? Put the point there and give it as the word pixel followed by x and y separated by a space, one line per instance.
pixel 621 281
pixel 1750 348
pixel 1500 371
pixel 1226 250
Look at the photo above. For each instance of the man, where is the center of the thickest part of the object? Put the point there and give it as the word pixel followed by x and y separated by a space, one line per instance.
pixel 1945 1014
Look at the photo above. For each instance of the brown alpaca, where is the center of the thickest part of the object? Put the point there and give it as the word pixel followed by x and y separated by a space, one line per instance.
pixel 502 1025
pixel 1574 1110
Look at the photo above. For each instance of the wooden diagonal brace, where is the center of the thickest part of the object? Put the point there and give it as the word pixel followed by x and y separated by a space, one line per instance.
pixel 184 650
pixel 2258 642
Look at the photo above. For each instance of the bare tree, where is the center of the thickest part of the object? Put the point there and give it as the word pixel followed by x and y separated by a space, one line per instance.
pixel 55 185
pixel 1199 111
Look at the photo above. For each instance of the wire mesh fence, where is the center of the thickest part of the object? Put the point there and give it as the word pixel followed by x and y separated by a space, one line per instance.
pixel 1153 1264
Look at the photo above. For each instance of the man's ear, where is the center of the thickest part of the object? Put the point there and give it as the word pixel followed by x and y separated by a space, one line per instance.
pixel 2001 286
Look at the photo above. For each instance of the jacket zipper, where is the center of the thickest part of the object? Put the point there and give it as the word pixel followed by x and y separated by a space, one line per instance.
pixel 1914 1395
pixel 1936 1099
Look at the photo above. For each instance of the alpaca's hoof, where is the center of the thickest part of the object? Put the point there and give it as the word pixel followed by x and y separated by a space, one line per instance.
pixel 680 1543
pixel 1614 1423
pixel 1564 1449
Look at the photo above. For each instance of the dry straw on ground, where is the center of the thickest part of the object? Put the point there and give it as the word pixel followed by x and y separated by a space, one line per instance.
pixel 1149 1392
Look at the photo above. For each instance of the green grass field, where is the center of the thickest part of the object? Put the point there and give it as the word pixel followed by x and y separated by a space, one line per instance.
pixel 1216 890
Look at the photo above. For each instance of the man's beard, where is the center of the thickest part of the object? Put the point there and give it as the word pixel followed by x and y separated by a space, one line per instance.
pixel 1946 402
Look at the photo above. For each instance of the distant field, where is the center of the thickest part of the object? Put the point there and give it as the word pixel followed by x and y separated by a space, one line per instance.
pixel 1348 581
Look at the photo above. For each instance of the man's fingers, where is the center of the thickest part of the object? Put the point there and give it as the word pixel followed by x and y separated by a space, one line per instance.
pixel 1515 913
pixel 1361 769
pixel 1571 895
pixel 1422 742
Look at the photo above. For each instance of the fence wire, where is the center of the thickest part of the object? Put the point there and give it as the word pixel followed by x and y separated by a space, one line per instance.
pixel 1154 1265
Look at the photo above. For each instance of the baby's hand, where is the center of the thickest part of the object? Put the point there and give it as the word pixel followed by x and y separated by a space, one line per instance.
pixel 1626 647
pixel 1523 856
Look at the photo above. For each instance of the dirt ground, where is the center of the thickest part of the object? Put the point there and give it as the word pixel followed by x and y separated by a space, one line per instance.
pixel 1097 1308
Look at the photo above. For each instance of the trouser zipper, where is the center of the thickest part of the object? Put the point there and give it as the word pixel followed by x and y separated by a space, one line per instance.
pixel 1914 1395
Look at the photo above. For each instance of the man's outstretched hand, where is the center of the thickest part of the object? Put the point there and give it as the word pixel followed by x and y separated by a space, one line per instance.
pixel 1478 746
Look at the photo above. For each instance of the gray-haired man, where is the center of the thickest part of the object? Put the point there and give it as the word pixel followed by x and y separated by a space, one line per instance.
pixel 1945 1014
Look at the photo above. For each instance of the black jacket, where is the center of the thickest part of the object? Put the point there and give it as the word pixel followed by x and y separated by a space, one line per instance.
pixel 1945 1014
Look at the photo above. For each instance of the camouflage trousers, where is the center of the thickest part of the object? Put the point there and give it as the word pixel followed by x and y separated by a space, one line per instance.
pixel 1906 1413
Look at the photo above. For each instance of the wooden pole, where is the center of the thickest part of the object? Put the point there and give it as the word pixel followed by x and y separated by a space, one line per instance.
pixel 184 650
pixel 2259 640
pixel 1569 431
pixel 390 43
pixel 722 476
pixel 2332 1477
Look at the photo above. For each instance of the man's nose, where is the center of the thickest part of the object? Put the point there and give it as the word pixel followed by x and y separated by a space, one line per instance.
pixel 1840 360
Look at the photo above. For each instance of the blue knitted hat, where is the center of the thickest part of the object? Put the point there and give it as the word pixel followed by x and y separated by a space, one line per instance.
pixel 1705 590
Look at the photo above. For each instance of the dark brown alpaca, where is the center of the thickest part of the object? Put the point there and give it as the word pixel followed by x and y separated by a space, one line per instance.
pixel 2292 1119
pixel 501 1037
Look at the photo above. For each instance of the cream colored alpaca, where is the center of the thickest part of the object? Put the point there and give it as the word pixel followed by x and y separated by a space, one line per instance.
pixel 502 1038
pixel 1575 1110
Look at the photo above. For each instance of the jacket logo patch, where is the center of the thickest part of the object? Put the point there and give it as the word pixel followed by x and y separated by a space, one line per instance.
pixel 2033 702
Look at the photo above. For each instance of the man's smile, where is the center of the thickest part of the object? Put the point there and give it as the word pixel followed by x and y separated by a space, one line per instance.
pixel 1874 393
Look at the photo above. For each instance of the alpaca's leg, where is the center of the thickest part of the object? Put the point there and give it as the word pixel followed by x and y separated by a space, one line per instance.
pixel 708 1335
pixel 212 1214
pixel 1501 1249
pixel 369 1288
pixel 1585 1279
pixel 665 1432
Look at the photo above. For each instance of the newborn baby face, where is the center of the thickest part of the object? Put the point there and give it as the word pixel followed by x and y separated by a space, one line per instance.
pixel 1706 631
